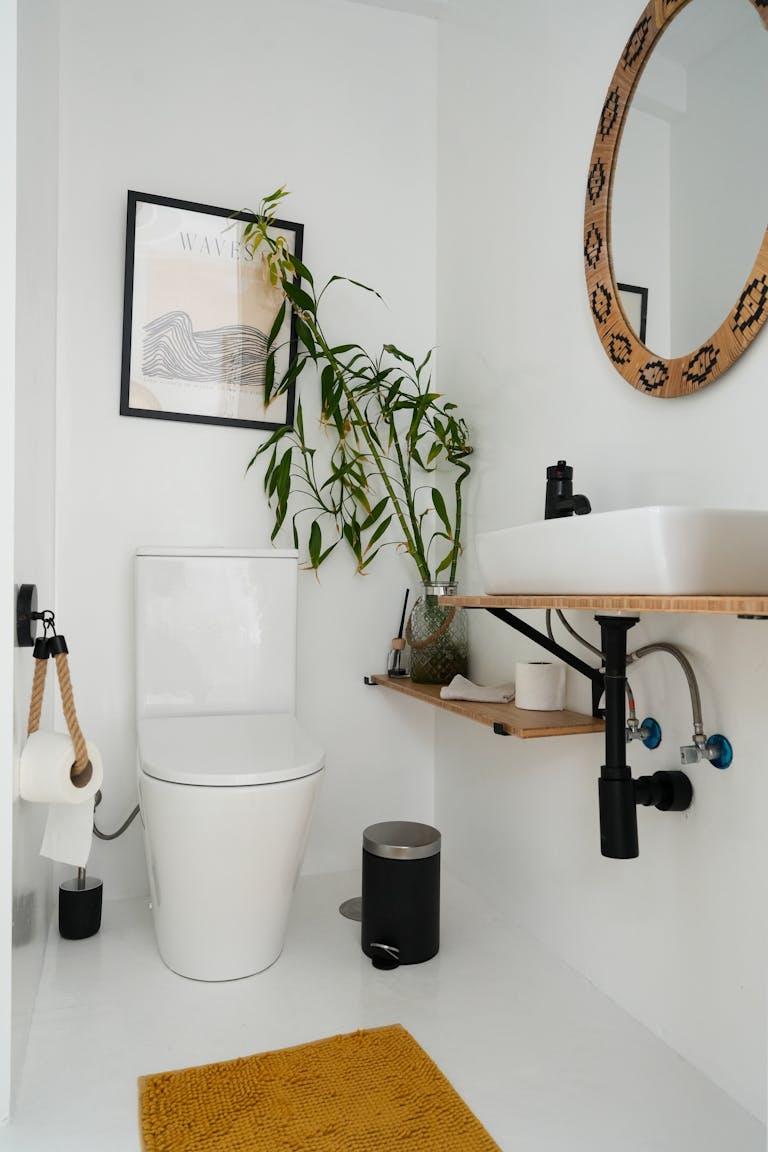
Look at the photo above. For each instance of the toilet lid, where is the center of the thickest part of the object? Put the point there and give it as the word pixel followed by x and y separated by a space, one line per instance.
pixel 227 751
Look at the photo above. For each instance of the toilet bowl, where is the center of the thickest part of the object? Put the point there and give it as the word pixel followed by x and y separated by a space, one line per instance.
pixel 227 777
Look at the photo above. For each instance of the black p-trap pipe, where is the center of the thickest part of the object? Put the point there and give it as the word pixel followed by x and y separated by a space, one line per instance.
pixel 618 804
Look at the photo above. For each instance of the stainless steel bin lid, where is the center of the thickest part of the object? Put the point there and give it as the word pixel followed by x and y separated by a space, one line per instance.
pixel 401 840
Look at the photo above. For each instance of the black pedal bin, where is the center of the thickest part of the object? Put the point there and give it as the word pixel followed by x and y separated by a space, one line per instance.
pixel 400 893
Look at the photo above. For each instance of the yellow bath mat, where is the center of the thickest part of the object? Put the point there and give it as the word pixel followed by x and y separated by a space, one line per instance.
pixel 369 1091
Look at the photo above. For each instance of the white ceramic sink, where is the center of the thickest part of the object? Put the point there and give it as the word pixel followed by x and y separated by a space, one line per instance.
pixel 663 550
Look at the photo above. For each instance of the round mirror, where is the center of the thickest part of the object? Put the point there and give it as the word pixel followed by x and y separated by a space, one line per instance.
pixel 676 248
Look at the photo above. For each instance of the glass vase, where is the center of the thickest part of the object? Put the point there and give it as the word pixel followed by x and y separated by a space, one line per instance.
pixel 437 637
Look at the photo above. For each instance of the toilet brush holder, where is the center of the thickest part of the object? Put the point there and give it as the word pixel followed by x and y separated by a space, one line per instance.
pixel 80 906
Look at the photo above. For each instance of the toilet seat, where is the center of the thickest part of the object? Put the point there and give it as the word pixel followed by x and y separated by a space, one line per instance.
pixel 227 751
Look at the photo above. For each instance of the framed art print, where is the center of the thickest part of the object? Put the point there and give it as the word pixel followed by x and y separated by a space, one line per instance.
pixel 197 312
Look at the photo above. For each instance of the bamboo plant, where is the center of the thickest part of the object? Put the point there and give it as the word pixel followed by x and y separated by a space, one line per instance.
pixel 387 432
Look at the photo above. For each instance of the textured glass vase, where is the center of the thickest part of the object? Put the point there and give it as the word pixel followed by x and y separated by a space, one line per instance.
pixel 437 636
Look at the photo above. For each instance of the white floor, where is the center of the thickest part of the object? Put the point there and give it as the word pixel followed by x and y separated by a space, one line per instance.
pixel 543 1059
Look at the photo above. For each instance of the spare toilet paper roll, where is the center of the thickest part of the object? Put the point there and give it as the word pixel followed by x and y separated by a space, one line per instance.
pixel 44 778
pixel 540 687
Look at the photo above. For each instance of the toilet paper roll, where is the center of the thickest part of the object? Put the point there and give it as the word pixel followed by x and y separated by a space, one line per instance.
pixel 44 777
pixel 540 687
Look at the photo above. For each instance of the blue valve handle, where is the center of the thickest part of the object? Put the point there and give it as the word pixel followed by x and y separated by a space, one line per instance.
pixel 724 757
pixel 653 728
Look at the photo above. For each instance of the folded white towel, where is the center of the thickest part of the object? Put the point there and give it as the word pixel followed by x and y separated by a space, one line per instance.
pixel 462 689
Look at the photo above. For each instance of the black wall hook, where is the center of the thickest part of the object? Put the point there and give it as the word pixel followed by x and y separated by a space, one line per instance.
pixel 26 615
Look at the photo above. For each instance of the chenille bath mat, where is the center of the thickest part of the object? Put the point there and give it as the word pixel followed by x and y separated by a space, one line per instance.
pixel 369 1091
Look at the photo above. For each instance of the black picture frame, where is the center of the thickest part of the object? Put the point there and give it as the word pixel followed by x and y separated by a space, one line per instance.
pixel 637 319
pixel 195 307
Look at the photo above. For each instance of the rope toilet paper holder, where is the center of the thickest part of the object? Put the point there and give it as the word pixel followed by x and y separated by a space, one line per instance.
pixel 80 900
pixel 50 645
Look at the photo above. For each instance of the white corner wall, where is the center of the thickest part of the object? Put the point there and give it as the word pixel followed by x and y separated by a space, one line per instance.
pixel 221 103
pixel 35 417
pixel 8 72
pixel 678 936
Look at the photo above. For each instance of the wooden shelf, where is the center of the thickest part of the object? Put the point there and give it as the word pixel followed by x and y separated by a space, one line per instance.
pixel 722 605
pixel 514 721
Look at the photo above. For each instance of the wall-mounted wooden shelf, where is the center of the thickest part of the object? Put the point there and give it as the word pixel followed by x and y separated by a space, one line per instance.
pixel 513 721
pixel 722 605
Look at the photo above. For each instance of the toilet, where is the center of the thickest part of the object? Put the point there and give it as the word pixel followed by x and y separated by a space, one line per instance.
pixel 227 777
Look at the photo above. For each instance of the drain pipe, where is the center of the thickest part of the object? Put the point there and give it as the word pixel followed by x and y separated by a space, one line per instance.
pixel 616 789
pixel 619 793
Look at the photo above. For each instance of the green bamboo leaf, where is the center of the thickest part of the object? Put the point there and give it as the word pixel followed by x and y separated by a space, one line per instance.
pixel 360 496
pixel 271 484
pixel 379 532
pixel 394 351
pixel 315 543
pixel 392 393
pixel 340 349
pixel 352 536
pixel 415 432
pixel 276 326
pixel 356 283
pixel 302 269
pixel 300 421
pixel 434 452
pixel 299 297
pixel 326 553
pixel 269 378
pixel 294 370
pixel 304 333
pixel 374 515
pixel 283 488
pixel 275 478
pixel 327 382
pixel 269 443
pixel 278 194
pixel 270 467
pixel 444 564
pixel 349 366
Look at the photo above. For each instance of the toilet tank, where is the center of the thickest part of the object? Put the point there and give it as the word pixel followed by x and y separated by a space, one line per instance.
pixel 215 631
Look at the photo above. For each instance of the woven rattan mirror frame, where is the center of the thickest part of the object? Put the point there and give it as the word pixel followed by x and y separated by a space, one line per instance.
pixel 643 369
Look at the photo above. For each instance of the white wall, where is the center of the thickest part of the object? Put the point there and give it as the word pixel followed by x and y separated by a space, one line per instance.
pixel 35 461
pixel 221 103
pixel 677 936
pixel 8 41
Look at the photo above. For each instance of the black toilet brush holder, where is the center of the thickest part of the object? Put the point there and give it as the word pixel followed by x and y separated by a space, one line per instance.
pixel 80 906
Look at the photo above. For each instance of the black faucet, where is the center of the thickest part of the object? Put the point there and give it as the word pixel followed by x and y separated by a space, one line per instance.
pixel 560 500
